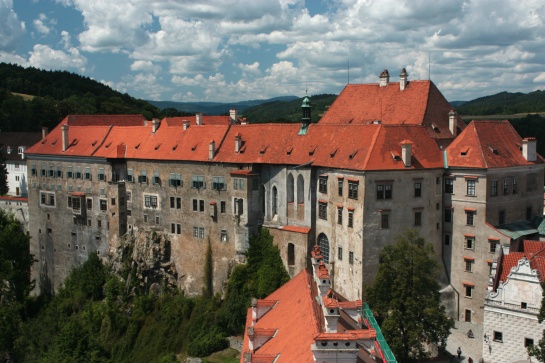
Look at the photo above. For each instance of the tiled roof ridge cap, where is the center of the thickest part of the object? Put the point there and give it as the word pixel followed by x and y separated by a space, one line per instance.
pixel 371 148
pixel 218 147
pixel 103 140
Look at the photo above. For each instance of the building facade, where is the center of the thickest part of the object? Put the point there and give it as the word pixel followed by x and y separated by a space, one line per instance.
pixel 385 157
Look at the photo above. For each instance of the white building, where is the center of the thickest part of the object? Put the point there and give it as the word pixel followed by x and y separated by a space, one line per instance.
pixel 512 307
pixel 13 151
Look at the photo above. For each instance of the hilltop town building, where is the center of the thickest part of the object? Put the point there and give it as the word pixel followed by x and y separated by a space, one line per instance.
pixel 385 157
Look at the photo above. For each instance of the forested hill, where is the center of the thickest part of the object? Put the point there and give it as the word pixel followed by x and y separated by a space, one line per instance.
pixel 504 103
pixel 288 112
pixel 51 95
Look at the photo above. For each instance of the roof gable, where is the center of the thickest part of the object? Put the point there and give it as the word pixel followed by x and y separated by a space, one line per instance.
pixel 488 144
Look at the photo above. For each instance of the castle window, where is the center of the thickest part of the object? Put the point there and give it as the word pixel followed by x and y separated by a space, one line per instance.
pixel 322 210
pixel 218 183
pixel 351 257
pixel 223 207
pixel 175 202
pixel 223 235
pixel 156 178
pixel 418 218
pixel 47 199
pixel 150 201
pixel 494 188
pixel 340 253
pixel 384 191
pixel 143 177
pixel 51 173
pixel 469 242
pixel 103 205
pixel 341 185
pixel 78 175
pixel 515 186
pixel 33 170
pixel 498 336
pixel 87 173
pixel 339 215
pixel 471 187
pixel 448 215
pixel 505 186
pixel 417 189
pixel 449 185
pixel 198 182
pixel 384 221
pixel 175 180
pixel 322 184
pixel 238 184
pixel 353 189
pixel 350 218
pixel 130 176
pixel 59 171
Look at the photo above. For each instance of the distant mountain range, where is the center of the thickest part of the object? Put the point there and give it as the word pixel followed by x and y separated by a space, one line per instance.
pixel 216 108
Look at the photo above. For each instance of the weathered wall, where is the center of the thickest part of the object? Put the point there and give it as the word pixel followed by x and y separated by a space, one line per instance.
pixel 18 207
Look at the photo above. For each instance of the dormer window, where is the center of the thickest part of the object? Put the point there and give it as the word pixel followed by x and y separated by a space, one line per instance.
pixel 21 150
pixel 8 150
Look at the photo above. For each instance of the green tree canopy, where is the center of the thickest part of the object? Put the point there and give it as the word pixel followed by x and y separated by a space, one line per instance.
pixel 538 351
pixel 405 297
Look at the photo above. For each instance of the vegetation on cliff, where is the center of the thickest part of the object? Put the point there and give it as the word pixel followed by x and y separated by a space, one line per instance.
pixel 100 316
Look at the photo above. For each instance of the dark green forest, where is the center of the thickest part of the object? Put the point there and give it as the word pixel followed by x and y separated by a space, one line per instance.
pixel 100 316
pixel 52 95
pixel 504 103
pixel 288 111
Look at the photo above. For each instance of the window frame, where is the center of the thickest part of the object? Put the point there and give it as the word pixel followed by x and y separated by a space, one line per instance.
pixel 353 186
pixel 322 184
pixel 350 218
pixel 322 210
pixel 471 187
pixel 494 188
pixel 449 185
pixel 417 189
pixel 340 215
pixel 384 221
pixel 198 182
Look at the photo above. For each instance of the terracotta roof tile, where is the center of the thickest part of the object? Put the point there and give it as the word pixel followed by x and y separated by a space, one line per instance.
pixel 104 120
pixel 295 318
pixel 420 103
pixel 488 144
pixel 206 120
pixel 297 229
pixel 349 335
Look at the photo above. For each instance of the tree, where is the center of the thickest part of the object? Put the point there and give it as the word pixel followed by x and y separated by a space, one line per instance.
pixel 15 282
pixel 405 296
pixel 538 350
pixel 4 187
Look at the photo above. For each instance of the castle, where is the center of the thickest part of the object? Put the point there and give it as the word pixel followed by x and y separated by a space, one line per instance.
pixel 385 157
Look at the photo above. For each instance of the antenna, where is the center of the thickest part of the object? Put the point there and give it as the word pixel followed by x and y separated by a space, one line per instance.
pixel 429 66
pixel 348 82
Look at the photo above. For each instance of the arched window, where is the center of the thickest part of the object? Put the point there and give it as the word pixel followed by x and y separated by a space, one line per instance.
pixel 274 201
pixel 290 188
pixel 300 190
pixel 291 254
pixel 323 243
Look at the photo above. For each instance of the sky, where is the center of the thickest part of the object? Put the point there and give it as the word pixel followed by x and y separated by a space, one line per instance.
pixel 235 50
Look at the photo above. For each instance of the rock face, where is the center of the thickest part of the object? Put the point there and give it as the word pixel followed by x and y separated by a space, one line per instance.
pixel 145 255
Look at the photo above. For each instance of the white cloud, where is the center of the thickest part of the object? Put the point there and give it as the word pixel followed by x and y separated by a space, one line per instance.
pixel 11 28
pixel 540 78
pixel 146 66
pixel 65 39
pixel 43 56
pixel 249 69
pixel 10 57
pixel 40 25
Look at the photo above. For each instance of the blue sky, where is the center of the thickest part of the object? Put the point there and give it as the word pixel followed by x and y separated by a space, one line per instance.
pixel 233 50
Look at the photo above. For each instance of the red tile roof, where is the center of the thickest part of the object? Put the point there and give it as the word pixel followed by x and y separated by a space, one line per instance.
pixel 534 251
pixel 206 120
pixel 420 103
pixel 295 318
pixel 297 229
pixel 104 120
pixel 488 144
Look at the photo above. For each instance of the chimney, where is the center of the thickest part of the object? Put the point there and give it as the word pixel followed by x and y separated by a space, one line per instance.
pixel 529 148
pixel 384 78
pixel 64 130
pixel 452 122
pixel 403 79
pixel 45 131
pixel 155 125
pixel 233 112
pixel 198 117
pixel 211 150
pixel 186 124
pixel 238 143
pixel 406 148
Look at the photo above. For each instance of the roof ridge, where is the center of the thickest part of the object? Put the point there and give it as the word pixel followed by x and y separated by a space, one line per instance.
pixel 480 145
pixel 222 139
pixel 371 147
pixel 103 140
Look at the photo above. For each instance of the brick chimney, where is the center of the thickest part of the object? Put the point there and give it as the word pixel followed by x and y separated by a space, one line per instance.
pixel 64 130
pixel 403 79
pixel 233 113
pixel 453 122
pixel 198 117
pixel 211 150
pixel 529 148
pixel 406 151
pixel 238 143
pixel 384 78
pixel 45 131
